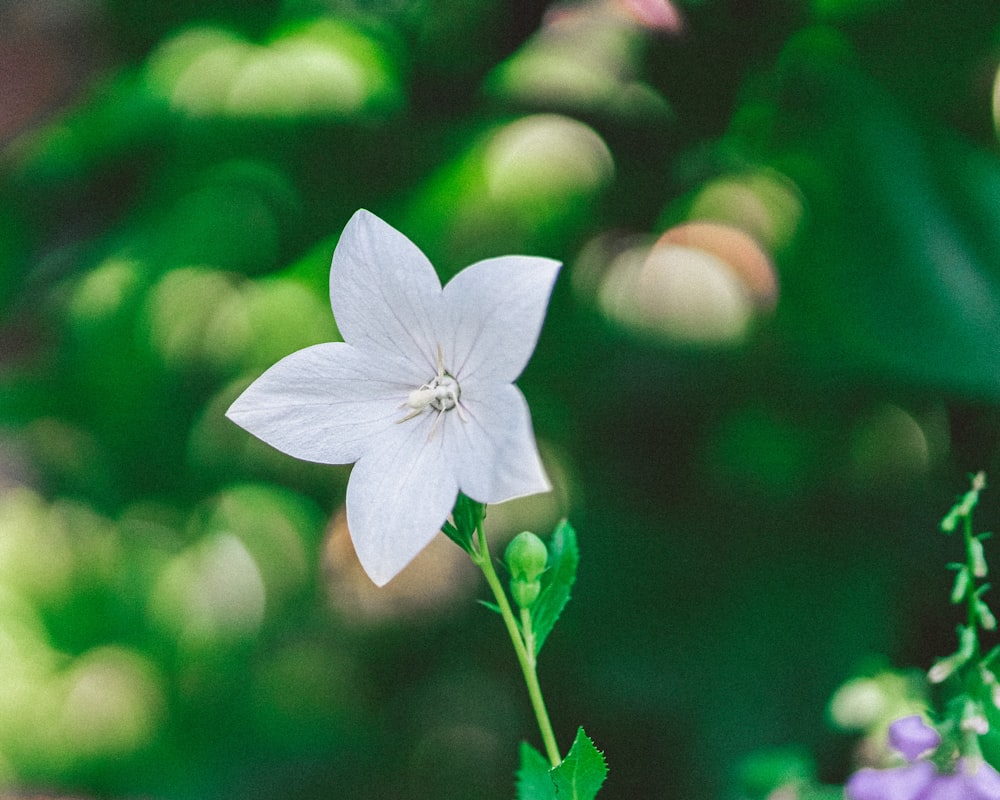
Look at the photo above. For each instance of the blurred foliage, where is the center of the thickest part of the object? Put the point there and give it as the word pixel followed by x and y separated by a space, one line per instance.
pixel 753 422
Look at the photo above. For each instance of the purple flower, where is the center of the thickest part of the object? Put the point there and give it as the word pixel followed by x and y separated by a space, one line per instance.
pixel 920 779
pixel 912 737
pixel 901 783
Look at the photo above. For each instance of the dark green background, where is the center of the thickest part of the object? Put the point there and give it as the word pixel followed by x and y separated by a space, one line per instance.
pixel 757 519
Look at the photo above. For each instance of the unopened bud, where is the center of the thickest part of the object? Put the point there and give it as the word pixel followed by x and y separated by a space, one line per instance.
pixel 526 557
pixel 979 568
pixel 525 593
pixel 986 618
pixel 944 668
pixel 977 724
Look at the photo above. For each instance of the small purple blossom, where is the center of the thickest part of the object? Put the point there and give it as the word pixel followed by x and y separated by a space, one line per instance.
pixel 920 779
pixel 900 783
pixel 912 737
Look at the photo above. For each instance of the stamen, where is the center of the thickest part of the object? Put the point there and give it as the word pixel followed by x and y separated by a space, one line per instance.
pixel 442 393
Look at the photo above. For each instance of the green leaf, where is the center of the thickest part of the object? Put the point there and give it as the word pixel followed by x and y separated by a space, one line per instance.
pixel 989 658
pixel 461 538
pixel 564 556
pixel 467 515
pixel 533 779
pixel 763 772
pixel 902 284
pixel 582 772
pixel 491 606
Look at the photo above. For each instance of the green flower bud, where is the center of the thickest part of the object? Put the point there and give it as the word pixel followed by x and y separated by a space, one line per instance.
pixel 525 593
pixel 526 556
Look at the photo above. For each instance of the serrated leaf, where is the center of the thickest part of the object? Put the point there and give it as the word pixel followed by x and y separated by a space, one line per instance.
pixel 558 579
pixel 582 773
pixel 534 781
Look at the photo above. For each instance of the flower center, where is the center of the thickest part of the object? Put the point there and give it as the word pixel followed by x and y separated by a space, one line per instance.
pixel 441 393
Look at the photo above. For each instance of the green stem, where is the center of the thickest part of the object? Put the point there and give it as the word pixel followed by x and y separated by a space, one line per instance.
pixel 972 619
pixel 523 639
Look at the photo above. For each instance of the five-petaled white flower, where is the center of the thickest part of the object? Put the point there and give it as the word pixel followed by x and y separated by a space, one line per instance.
pixel 419 394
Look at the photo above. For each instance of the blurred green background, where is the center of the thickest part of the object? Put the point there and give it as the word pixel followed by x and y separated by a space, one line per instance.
pixel 754 421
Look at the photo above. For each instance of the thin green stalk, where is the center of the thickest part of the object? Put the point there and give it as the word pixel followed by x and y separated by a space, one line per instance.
pixel 971 597
pixel 523 640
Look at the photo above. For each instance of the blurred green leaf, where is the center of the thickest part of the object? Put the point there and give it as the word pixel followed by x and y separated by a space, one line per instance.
pixel 761 773
pixel 557 581
pixel 534 779
pixel 890 279
pixel 324 67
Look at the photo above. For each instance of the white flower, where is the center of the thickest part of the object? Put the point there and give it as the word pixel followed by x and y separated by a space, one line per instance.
pixel 420 393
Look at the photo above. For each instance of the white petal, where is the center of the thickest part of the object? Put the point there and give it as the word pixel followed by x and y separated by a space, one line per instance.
pixel 324 403
pixel 493 449
pixel 386 296
pixel 495 310
pixel 399 496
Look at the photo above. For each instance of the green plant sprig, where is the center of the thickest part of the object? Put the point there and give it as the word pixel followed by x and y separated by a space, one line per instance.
pixel 541 579
pixel 965 718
